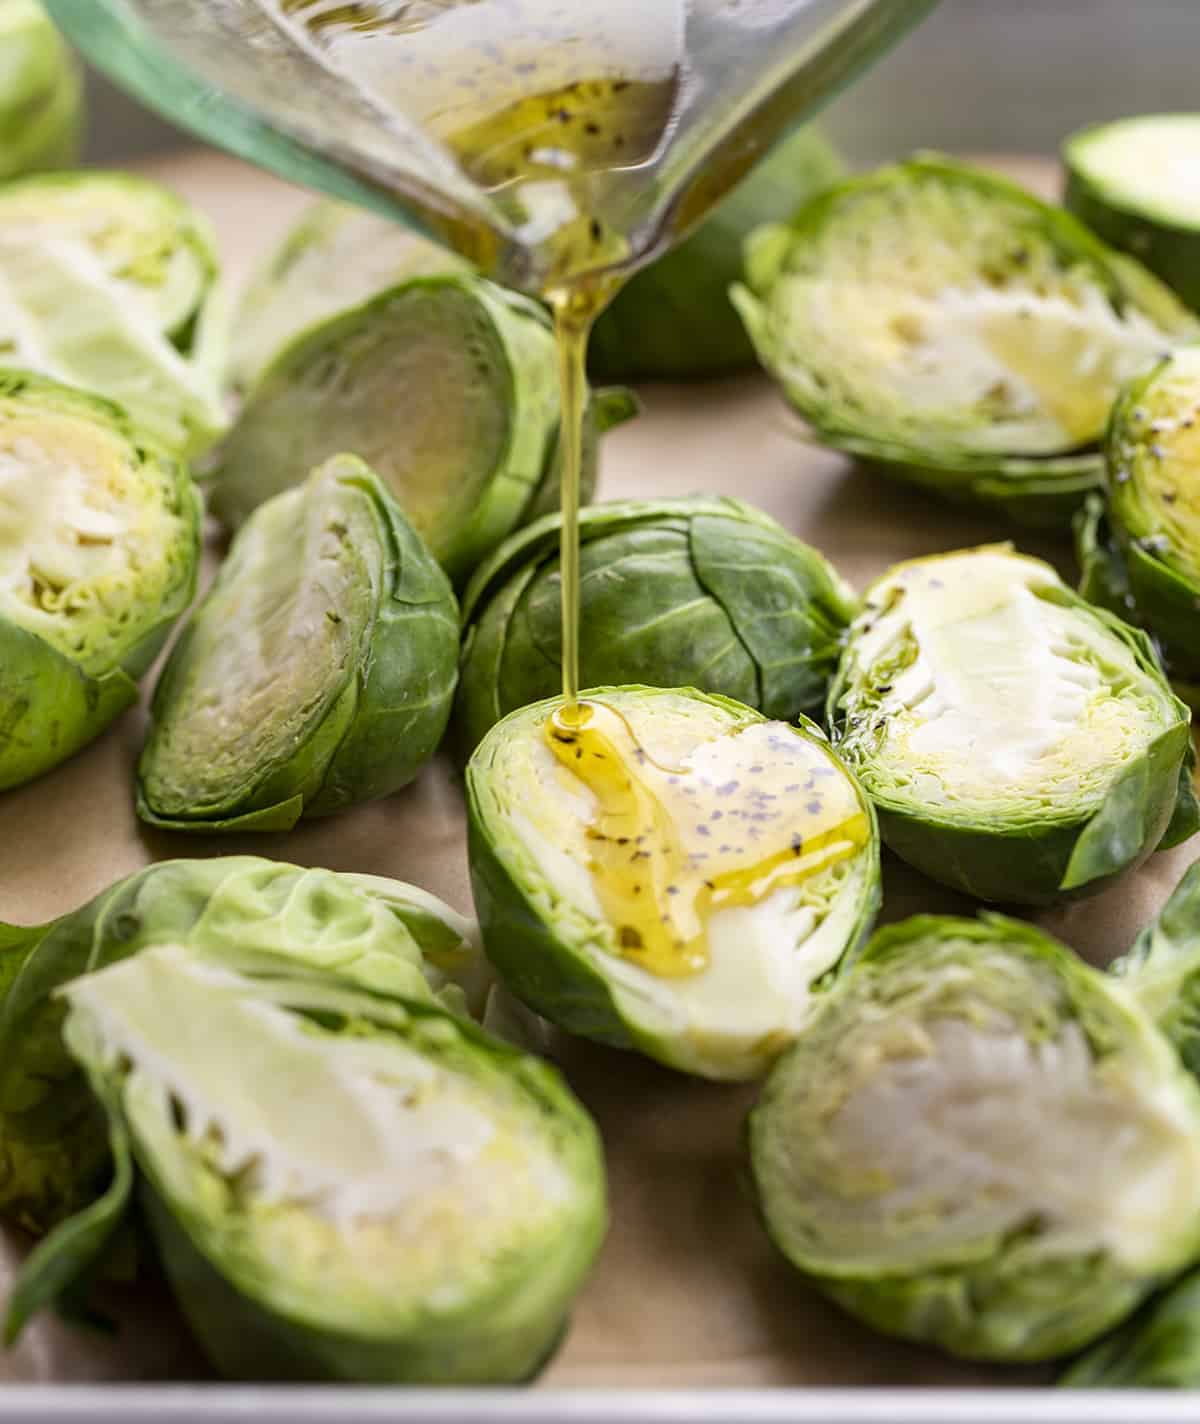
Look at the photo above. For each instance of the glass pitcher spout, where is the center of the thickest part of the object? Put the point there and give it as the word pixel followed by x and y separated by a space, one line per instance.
pixel 546 140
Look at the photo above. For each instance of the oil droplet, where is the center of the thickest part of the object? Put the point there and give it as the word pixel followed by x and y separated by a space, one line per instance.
pixel 741 817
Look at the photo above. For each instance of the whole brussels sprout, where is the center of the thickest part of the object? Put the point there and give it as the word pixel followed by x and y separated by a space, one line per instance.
pixel 446 385
pixel 702 592
pixel 99 546
pixel 668 871
pixel 343 1183
pixel 109 282
pixel 1141 553
pixel 673 320
pixel 980 1142
pixel 379 933
pixel 952 329
pixel 334 257
pixel 41 93
pixel 1019 744
pixel 318 672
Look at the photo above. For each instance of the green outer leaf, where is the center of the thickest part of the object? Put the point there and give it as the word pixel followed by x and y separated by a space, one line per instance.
pixel 385 722
pixel 673 319
pixel 409 686
pixel 530 936
pixel 1159 1348
pixel 49 706
pixel 1002 1297
pixel 1038 494
pixel 1104 579
pixel 57 1264
pixel 1044 858
pixel 764 613
pixel 1138 812
pixel 281 816
pixel 52 1142
pixel 504 1336
pixel 290 422
pixel 1185 818
pixel 1041 491
pixel 1168 249
pixel 1162 968
pixel 1165 599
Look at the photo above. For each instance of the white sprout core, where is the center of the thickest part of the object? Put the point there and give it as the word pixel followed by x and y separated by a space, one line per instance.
pixel 88 539
pixel 998 694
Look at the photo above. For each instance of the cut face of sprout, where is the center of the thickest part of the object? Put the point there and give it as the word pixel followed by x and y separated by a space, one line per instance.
pixel 406 1178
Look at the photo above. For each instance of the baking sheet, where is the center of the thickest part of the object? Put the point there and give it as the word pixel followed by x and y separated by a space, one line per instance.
pixel 688 1294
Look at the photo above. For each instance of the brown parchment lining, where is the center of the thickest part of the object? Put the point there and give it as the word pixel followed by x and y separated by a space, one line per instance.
pixel 687 1292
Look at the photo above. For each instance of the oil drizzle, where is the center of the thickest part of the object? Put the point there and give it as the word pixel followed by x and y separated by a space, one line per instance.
pixel 575 309
pixel 740 817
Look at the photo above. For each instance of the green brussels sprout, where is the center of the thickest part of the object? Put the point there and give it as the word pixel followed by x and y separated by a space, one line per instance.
pixel 447 386
pixel 668 871
pixel 1019 744
pixel 334 257
pixel 108 282
pixel 702 592
pixel 980 1142
pixel 673 319
pixel 952 329
pixel 343 1183
pixel 380 933
pixel 1143 550
pixel 41 93
pixel 99 546
pixel 318 672
pixel 1159 1348
pixel 1130 182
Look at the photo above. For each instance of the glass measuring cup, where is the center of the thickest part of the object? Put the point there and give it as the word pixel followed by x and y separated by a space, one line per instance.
pixel 389 102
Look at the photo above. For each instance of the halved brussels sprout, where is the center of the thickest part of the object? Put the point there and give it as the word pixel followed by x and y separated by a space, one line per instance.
pixel 1153 512
pixel 334 257
pixel 1019 744
pixel 99 545
pixel 448 388
pixel 107 281
pixel 343 1184
pixel 318 672
pixel 41 93
pixel 674 319
pixel 702 592
pixel 953 329
pixel 980 1142
pixel 668 871
pixel 1132 181
pixel 382 934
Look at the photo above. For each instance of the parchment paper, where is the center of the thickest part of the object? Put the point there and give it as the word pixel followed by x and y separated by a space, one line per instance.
pixel 688 1291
